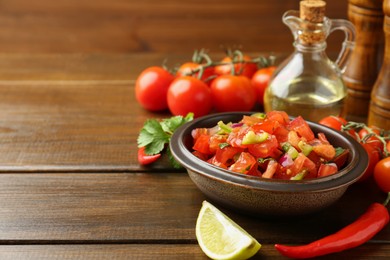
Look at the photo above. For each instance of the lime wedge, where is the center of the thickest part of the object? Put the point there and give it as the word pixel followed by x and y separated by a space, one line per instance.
pixel 221 238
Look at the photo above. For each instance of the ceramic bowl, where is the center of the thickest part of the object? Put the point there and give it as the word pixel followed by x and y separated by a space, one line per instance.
pixel 259 196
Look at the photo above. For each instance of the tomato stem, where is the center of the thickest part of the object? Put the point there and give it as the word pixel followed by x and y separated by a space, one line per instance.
pixel 382 136
pixel 386 202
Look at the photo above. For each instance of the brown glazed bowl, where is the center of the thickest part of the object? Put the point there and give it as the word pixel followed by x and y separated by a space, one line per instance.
pixel 267 197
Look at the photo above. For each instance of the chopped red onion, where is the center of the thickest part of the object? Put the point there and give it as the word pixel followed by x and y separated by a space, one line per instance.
pixel 286 160
pixel 237 124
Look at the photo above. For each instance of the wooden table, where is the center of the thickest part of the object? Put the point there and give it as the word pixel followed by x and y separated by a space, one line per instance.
pixel 71 187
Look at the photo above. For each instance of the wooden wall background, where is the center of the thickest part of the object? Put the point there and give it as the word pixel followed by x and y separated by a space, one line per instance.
pixel 124 26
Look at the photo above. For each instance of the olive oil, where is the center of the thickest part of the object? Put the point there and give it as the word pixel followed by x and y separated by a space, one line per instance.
pixel 313 98
pixel 308 83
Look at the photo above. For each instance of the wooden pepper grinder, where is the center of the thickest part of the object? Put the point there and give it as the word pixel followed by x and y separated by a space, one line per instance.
pixel 366 58
pixel 379 109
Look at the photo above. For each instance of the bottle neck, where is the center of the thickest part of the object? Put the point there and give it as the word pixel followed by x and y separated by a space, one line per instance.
pixel 310 48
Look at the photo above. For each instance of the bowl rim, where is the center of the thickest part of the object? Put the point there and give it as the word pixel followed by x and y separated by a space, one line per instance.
pixel 355 168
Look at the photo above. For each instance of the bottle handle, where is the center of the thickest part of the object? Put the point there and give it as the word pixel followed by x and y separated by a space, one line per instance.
pixel 349 41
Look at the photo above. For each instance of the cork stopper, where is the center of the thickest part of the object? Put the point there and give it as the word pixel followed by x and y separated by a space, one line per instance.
pixel 312 11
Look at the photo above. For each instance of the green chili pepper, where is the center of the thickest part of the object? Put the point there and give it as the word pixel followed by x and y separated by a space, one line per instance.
pixel 305 148
pixel 252 138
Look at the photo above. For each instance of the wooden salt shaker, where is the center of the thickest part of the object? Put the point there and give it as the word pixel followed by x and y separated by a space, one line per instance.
pixel 366 58
pixel 379 109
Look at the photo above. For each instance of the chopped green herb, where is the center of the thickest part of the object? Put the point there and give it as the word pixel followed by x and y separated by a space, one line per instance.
pixel 156 134
pixel 339 150
pixel 223 145
pixel 225 127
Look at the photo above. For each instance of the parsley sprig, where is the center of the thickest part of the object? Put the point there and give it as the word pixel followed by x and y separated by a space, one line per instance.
pixel 155 135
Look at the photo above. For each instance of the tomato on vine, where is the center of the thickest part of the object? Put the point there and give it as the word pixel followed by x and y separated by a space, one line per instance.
pixel 200 67
pixel 382 174
pixel 194 69
pixel 335 122
pixel 232 93
pixel 374 156
pixel 188 94
pixel 370 135
pixel 260 81
pixel 151 88
pixel 243 65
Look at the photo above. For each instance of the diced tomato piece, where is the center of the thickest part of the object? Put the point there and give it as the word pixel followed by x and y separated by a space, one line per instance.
pixel 293 139
pixel 266 126
pixel 201 156
pixel 281 133
pixel 251 120
pixel 244 164
pixel 236 136
pixel 264 149
pixel 215 141
pixel 255 172
pixel 327 169
pixel 226 155
pixel 299 125
pixel 340 159
pixel 302 163
pixel 326 151
pixel 322 138
pixel 195 133
pixel 202 144
pixel 215 162
pixel 279 116
pixel 271 169
pixel 317 160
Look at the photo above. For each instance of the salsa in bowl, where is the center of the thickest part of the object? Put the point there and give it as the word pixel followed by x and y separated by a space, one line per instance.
pixel 266 196
pixel 269 145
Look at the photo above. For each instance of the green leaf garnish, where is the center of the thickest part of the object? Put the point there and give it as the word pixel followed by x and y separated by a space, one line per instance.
pixel 155 135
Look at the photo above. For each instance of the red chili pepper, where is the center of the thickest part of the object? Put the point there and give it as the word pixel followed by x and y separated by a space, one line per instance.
pixel 363 229
pixel 144 158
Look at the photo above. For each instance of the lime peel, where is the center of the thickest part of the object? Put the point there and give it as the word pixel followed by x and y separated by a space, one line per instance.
pixel 221 238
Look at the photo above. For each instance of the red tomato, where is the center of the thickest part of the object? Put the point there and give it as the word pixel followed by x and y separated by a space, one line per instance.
pixel 187 69
pixel 202 144
pixel 232 93
pixel 264 149
pixel 226 155
pixel 187 94
pixel 374 155
pixel 260 81
pixel 215 141
pixel 244 164
pixel 299 125
pixel 372 140
pixel 341 159
pixel 151 88
pixel 382 174
pixel 327 169
pixel 302 163
pixel 334 122
pixel 280 116
pixel 245 68
pixel 145 159
pixel 326 151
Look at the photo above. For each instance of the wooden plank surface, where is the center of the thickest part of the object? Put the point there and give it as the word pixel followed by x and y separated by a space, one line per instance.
pixel 152 208
pixel 80 26
pixel 71 112
pixel 68 126
pixel 175 251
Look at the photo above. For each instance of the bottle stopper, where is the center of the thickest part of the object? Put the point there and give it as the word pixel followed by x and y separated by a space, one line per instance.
pixel 312 11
